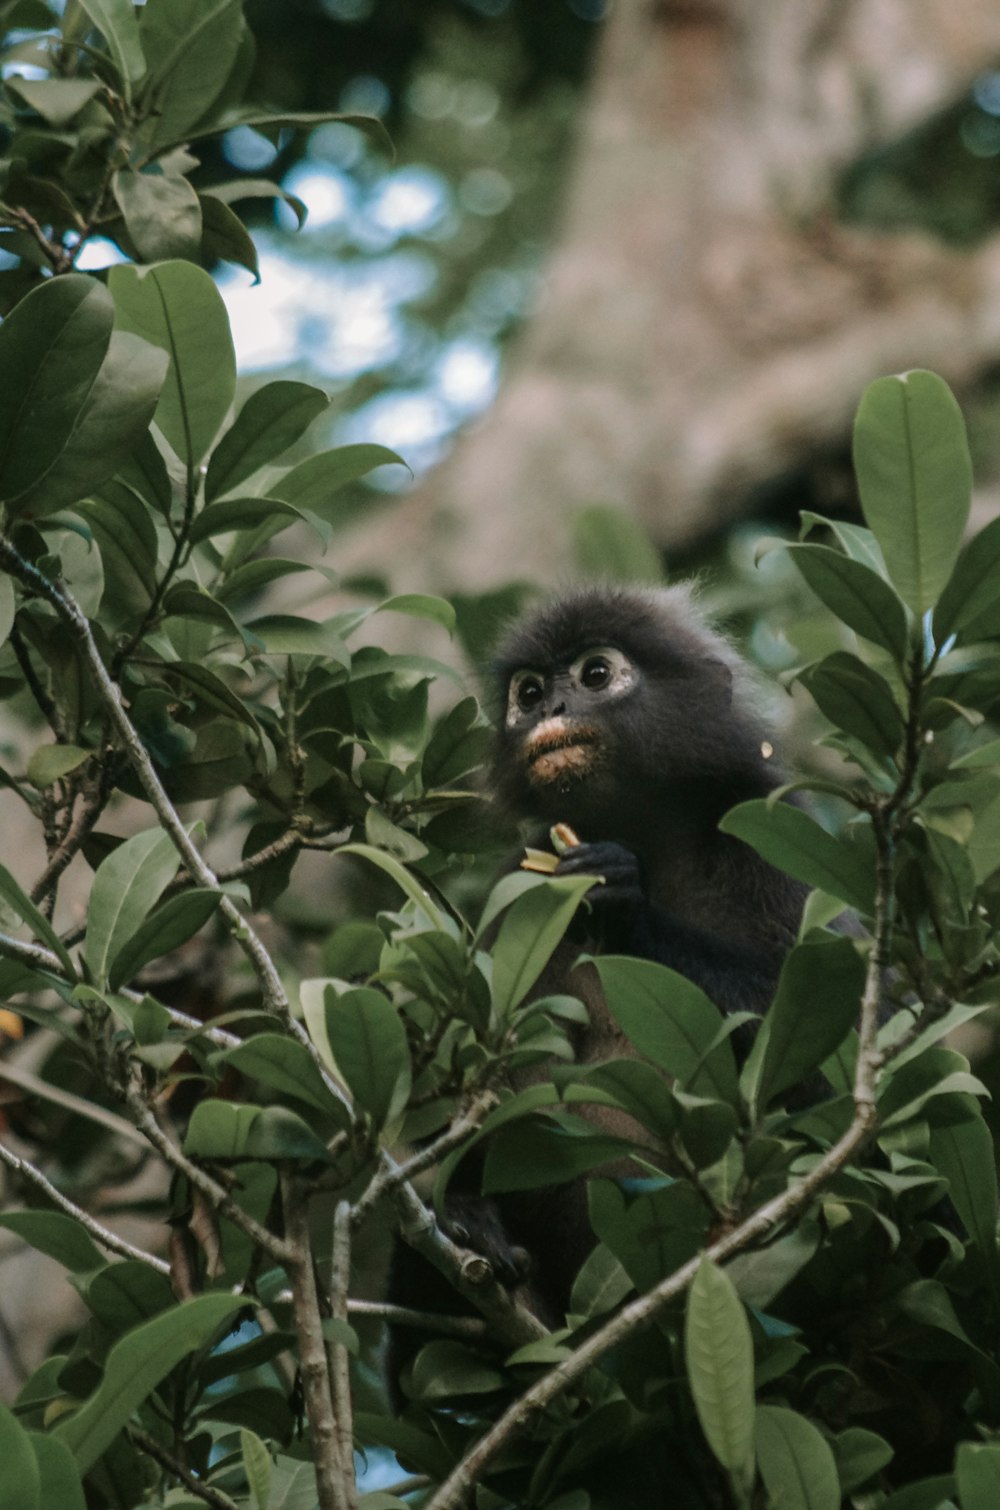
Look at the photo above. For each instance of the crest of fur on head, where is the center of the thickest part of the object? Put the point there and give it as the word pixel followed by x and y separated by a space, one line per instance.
pixel 693 720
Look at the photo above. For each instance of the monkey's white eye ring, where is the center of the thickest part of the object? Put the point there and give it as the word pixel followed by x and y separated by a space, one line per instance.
pixel 603 668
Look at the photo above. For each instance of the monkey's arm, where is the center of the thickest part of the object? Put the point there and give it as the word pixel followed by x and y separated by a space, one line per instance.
pixel 735 976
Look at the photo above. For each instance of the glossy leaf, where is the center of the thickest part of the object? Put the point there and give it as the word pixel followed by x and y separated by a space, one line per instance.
pixel 52 345
pixel 796 1461
pixel 859 1454
pixel 815 1007
pixel 368 1041
pixel 285 1065
pixel 914 474
pixel 162 214
pixel 59 1236
pixel 790 840
pixel 115 19
pixel 126 538
pixel 126 886
pixel 272 419
pixel 171 925
pixel 111 423
pixel 856 699
pixel 671 1021
pixel 189 46
pixel 310 484
pixel 856 594
pixel 176 306
pixel 528 935
pixel 719 1355
pixel 134 1367
pixel 224 237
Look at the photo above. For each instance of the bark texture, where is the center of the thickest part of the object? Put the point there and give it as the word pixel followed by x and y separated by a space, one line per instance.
pixel 705 322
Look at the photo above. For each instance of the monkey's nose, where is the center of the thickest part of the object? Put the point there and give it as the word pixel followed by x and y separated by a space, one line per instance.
pixel 555 711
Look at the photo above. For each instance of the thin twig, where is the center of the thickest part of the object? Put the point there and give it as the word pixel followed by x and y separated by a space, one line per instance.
pixel 389 1177
pixel 102 1235
pixel 166 1459
pixel 472 1327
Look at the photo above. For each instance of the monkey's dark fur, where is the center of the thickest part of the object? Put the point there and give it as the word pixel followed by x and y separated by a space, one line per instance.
pixel 621 714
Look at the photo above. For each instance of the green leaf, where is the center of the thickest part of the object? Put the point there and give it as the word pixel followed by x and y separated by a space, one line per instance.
pixel 611 547
pixel 278 1133
pixel 59 1477
pixel 257 1466
pixel 50 762
pixel 24 907
pixel 57 101
pixel 284 1064
pixel 61 1237
pixel 368 1041
pixel 421 605
pixel 915 478
pixel 670 1021
pixel 224 237
pixel 963 1152
pixel 52 345
pixel 190 47
pixel 176 306
pixel 115 19
pixel 815 1007
pixel 285 634
pixel 310 484
pixel 8 606
pixel 535 1154
pixel 112 422
pixel 134 1367
pixel 167 928
pixel 856 594
pixel 796 1461
pixel 977 1469
pixel 790 840
pixel 459 745
pixel 248 514
pixel 126 537
pixel 860 1454
pixel 858 700
pixel 528 935
pixel 271 420
pixel 126 885
pixel 20 1479
pixel 162 214
pixel 448 1368
pixel 219 1130
pixel 408 883
pixel 926 1494
pixel 969 607
pixel 719 1353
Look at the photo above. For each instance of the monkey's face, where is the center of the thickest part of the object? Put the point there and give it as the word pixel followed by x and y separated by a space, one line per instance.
pixel 558 726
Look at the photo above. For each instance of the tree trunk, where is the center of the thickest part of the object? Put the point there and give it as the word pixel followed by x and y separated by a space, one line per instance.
pixel 705 323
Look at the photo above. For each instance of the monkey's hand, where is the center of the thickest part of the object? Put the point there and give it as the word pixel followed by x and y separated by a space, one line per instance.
pixel 618 867
pixel 473 1221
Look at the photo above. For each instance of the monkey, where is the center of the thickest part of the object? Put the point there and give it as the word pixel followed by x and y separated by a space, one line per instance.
pixel 622 714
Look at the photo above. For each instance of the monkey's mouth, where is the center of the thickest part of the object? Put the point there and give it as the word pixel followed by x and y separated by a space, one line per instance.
pixel 560 751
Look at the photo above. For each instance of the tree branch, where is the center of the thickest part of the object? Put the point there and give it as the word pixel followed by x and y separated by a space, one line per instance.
pixel 166 1459
pixel 340 1363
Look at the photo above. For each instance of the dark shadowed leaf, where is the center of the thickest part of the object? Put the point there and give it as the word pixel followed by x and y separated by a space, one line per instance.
pixel 858 700
pixel 162 214
pixel 915 478
pixel 20 1479
pixel 176 306
pixel 286 1065
pixel 224 237
pixel 52 345
pixel 368 1041
pixel 789 839
pixel 528 934
pixel 969 607
pixel 189 46
pixel 167 928
pixel 135 1366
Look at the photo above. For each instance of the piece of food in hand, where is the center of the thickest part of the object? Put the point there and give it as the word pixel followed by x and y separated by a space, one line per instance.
pixel 562 838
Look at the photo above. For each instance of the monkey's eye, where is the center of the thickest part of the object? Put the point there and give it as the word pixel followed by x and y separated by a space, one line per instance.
pixel 529 692
pixel 595 673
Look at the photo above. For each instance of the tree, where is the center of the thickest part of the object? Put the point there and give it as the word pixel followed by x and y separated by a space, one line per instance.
pixel 798 1305
pixel 709 316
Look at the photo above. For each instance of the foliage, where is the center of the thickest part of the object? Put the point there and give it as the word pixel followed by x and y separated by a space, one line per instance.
pixel 794 1302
